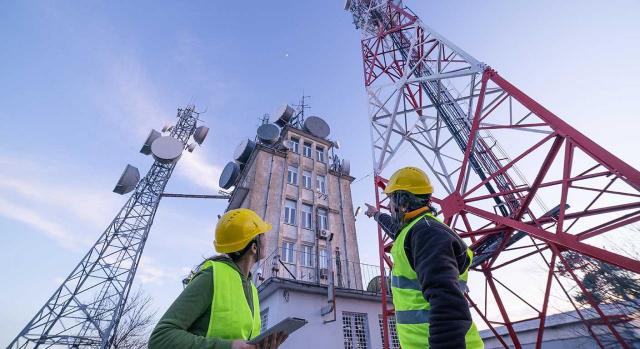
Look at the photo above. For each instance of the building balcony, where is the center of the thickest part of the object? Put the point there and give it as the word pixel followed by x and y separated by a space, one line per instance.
pixel 317 269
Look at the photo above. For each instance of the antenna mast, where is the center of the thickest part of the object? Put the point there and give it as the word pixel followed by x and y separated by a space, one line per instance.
pixel 86 309
pixel 453 112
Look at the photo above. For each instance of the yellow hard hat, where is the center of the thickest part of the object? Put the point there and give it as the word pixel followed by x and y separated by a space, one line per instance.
pixel 236 228
pixel 411 179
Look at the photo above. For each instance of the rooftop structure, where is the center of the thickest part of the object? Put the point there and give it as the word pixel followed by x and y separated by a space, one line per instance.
pixel 290 175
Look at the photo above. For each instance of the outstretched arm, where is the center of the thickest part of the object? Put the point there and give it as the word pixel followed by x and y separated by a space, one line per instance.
pixel 387 223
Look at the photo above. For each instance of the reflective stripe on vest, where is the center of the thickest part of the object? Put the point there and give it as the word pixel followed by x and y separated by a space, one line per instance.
pixel 412 316
pixel 231 317
pixel 412 310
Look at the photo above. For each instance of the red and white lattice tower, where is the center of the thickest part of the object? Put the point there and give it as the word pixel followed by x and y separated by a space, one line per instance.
pixel 515 180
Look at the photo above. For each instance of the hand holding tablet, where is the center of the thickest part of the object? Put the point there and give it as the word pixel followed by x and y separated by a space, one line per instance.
pixel 282 328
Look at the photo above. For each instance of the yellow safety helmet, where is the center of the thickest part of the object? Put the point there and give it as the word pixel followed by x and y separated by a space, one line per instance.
pixel 411 179
pixel 236 228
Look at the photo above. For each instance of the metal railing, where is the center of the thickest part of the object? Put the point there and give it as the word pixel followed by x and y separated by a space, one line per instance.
pixel 317 269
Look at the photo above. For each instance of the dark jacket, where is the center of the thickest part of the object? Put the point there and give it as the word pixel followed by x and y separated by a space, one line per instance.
pixel 439 256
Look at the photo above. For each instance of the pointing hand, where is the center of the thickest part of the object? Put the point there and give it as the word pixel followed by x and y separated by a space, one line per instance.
pixel 371 210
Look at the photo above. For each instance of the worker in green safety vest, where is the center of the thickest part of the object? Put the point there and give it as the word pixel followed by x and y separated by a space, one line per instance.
pixel 430 267
pixel 219 307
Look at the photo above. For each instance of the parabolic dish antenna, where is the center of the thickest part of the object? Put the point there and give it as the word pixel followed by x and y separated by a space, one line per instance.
pixel 317 127
pixel 284 115
pixel 243 150
pixel 128 180
pixel 166 149
pixel 345 166
pixel 200 134
pixel 146 148
pixel 229 175
pixel 268 133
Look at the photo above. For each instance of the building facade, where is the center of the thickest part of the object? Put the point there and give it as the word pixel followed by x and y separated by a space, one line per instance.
pixel 312 269
pixel 354 322
pixel 295 185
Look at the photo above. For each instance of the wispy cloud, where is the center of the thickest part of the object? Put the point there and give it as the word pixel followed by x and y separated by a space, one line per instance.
pixel 195 168
pixel 29 194
pixel 151 272
pixel 140 104
pixel 38 221
pixel 129 98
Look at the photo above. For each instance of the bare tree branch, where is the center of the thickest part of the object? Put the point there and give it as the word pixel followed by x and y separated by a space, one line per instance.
pixel 615 289
pixel 136 321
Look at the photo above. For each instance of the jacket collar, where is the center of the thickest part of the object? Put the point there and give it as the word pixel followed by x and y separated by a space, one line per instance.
pixel 415 213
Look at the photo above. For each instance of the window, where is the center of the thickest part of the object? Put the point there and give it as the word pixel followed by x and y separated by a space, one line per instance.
pixel 288 253
pixel 320 153
pixel 306 179
pixel 307 255
pixel 323 219
pixel 321 184
pixel 264 319
pixel 394 342
pixel 323 259
pixel 307 211
pixel 292 175
pixel 290 212
pixel 355 330
pixel 294 144
pixel 306 150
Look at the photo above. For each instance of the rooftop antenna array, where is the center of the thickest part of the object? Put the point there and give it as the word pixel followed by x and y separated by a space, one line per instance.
pixel 264 119
pixel 298 119
pixel 86 309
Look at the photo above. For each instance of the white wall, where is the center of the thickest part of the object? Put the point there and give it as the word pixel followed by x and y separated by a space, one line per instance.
pixel 317 334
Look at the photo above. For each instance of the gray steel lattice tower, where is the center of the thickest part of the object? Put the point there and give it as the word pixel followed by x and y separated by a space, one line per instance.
pixel 85 310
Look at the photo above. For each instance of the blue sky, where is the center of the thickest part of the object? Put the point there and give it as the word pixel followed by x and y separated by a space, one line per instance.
pixel 82 83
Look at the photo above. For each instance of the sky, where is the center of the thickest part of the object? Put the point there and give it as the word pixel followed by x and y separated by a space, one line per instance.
pixel 82 83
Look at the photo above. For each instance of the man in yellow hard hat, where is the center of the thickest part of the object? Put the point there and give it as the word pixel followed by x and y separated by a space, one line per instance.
pixel 430 267
pixel 219 307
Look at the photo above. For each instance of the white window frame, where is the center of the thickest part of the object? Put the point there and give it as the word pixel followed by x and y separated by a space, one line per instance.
pixel 321 184
pixel 294 144
pixel 288 252
pixel 307 216
pixel 306 149
pixel 292 175
pixel 323 258
pixel 323 219
pixel 394 342
pixel 290 211
pixel 307 256
pixel 306 180
pixel 355 330
pixel 320 154
pixel 264 319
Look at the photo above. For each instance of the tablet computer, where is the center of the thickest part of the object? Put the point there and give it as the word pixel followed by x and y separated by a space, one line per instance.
pixel 286 326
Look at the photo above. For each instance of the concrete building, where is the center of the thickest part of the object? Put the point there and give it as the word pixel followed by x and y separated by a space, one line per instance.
pixel 353 322
pixel 295 184
pixel 292 177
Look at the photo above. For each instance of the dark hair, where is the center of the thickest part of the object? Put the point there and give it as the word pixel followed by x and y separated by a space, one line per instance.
pixel 235 256
pixel 412 201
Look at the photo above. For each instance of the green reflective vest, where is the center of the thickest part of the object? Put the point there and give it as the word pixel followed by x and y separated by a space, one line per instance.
pixel 412 310
pixel 231 318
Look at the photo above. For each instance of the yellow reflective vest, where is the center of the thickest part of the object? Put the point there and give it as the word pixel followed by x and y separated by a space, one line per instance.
pixel 231 318
pixel 412 310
